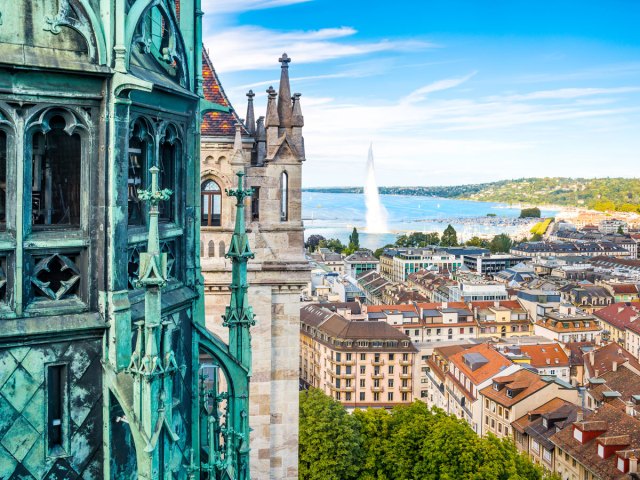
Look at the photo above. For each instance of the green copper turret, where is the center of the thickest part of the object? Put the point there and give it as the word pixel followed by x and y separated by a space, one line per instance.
pixel 239 315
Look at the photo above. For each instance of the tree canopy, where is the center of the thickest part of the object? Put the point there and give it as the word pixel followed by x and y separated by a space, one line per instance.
pixel 449 237
pixel 409 442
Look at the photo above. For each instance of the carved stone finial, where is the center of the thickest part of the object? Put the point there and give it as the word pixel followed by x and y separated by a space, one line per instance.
pixel 284 60
pixel 250 94
pixel 272 92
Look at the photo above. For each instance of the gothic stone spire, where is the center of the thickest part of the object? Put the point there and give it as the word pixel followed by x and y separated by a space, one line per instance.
pixel 251 118
pixel 284 94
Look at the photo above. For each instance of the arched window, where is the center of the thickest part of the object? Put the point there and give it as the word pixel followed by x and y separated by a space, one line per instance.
pixel 56 168
pixel 166 178
pixel 221 250
pixel 202 249
pixel 211 205
pixel 284 196
pixel 212 248
pixel 3 180
pixel 140 145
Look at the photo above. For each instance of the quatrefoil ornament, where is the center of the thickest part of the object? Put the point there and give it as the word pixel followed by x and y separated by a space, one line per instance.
pixel 55 276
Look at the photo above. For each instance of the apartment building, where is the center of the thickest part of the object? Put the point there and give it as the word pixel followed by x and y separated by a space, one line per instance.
pixel 490 264
pixel 505 318
pixel 632 339
pixel 433 375
pixel 568 324
pixel 604 445
pixel 533 430
pixel 469 372
pixel 616 318
pixel 396 264
pixel 360 262
pixel 359 363
pixel 511 396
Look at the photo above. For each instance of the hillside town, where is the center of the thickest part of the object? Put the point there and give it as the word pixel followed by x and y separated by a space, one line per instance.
pixel 539 345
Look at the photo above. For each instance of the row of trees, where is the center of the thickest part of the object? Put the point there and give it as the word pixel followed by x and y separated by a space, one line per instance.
pixel 408 442
pixel 334 244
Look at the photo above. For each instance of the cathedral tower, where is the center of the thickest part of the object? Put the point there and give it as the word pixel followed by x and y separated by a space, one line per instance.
pixel 270 152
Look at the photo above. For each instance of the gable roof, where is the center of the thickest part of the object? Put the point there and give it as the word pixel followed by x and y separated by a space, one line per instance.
pixel 620 315
pixel 522 384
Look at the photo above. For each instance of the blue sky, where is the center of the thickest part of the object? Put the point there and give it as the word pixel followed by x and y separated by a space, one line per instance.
pixel 448 91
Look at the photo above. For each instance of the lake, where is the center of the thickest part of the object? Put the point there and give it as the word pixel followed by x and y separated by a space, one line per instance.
pixel 333 215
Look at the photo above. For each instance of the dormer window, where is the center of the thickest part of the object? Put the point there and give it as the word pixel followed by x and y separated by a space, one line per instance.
pixel 545 423
pixel 577 434
pixel 509 393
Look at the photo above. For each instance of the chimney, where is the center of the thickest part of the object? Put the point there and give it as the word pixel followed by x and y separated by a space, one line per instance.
pixel 633 464
pixel 592 358
pixel 629 409
pixel 251 118
pixel 579 415
pixel 284 94
pixel 614 366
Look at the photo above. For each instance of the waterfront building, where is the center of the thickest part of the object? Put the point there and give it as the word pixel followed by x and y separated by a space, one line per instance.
pixel 563 249
pixel 473 289
pixel 359 363
pixel 107 370
pixel 568 324
pixel 511 396
pixel 504 319
pixel 360 262
pixel 396 264
pixel 491 264
pixel 533 430
pixel 613 225
pixel 269 151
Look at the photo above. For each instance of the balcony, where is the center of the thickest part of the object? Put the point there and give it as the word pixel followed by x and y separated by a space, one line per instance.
pixel 405 376
pixel 341 388
pixel 379 389
pixel 377 376
pixel 405 363
pixel 377 363
pixel 406 389
pixel 346 375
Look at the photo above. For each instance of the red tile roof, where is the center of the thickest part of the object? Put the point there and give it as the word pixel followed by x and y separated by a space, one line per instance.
pixel 496 363
pixel 216 124
pixel 522 383
pixel 543 356
pixel 624 288
pixel 620 315
pixel 604 358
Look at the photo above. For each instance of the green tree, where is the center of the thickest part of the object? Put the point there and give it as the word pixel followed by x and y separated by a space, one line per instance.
pixel 620 230
pixel 530 212
pixel 330 443
pixel 332 244
pixel 379 251
pixel 449 237
pixel 500 243
pixel 354 239
pixel 477 242
pixel 313 241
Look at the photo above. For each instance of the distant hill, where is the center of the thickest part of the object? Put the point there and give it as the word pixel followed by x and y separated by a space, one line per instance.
pixel 622 194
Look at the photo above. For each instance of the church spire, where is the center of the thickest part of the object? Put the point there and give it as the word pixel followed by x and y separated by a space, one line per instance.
pixel 284 95
pixel 251 118
pixel 238 316
pixel 297 119
pixel 272 119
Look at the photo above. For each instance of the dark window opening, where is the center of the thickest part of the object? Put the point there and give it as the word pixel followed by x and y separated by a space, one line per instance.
pixel 212 248
pixel 3 180
pixel 211 204
pixel 221 250
pixel 137 169
pixel 166 179
pixel 56 394
pixel 255 204
pixel 56 166
pixel 284 197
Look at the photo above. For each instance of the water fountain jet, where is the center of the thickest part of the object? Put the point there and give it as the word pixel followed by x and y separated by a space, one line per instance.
pixel 376 213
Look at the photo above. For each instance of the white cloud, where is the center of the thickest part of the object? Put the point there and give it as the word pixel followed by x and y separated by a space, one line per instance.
pixel 445 84
pixel 236 6
pixel 252 47
pixel 569 93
